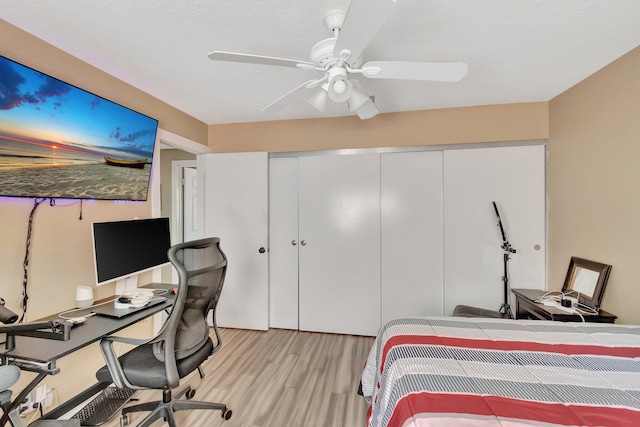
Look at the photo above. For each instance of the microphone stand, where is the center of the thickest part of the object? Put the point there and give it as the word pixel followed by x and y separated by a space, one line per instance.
pixel 505 308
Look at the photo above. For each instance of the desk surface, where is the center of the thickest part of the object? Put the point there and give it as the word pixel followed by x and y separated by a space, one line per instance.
pixel 95 328
pixel 526 307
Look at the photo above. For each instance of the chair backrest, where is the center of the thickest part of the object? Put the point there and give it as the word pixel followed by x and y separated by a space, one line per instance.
pixel 201 267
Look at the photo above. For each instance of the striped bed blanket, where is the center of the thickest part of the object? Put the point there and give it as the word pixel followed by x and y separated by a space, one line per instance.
pixel 450 371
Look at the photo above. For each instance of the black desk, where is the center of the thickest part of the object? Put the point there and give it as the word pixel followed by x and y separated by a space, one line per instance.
pixel 39 355
pixel 527 308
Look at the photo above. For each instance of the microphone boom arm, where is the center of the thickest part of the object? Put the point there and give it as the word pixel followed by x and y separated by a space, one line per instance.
pixel 52 330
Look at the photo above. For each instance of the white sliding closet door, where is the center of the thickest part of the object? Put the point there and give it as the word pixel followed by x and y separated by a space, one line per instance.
pixel 411 232
pixel 235 208
pixel 513 177
pixel 283 242
pixel 339 269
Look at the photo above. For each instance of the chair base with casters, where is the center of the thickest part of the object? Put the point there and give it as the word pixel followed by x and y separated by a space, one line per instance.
pixel 169 405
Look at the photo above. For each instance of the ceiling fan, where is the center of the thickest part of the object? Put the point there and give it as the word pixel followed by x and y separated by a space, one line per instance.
pixel 340 57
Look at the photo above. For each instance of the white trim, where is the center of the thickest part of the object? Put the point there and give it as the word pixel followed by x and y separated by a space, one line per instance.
pixel 175 141
pixel 188 145
pixel 177 215
pixel 408 148
pixel 182 143
pixel 177 190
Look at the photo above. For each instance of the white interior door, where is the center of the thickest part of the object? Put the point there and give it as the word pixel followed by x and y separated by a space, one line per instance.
pixel 283 242
pixel 339 269
pixel 234 207
pixel 411 232
pixel 513 177
pixel 190 204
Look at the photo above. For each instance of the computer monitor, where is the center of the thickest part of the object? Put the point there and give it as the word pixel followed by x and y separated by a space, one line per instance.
pixel 123 249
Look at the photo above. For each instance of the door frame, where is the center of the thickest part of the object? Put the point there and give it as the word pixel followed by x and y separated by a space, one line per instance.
pixel 169 140
pixel 177 205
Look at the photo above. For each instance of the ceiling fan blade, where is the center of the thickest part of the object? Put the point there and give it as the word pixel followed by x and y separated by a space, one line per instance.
pixel 363 20
pixel 278 103
pixel 407 70
pixel 218 55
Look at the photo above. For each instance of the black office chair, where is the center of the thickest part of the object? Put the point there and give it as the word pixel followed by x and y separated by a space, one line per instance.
pixel 183 342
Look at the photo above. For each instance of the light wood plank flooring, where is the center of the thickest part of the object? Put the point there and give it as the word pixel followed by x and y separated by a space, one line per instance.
pixel 278 378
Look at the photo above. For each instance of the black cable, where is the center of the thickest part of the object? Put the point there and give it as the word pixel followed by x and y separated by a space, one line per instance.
pixel 25 264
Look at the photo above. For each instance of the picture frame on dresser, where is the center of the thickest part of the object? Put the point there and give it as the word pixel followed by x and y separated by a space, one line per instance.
pixel 587 280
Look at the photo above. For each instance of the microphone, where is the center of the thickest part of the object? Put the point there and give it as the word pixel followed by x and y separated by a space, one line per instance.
pixel 6 316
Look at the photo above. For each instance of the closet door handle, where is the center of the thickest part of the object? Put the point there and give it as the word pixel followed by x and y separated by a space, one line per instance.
pixel 293 242
pixel 303 242
pixel 262 250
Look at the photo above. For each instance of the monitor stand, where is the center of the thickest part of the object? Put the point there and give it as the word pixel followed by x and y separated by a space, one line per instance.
pixel 128 285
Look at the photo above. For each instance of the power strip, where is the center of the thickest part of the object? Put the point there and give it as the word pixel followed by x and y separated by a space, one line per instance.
pixel 559 306
pixel 574 301
pixel 40 396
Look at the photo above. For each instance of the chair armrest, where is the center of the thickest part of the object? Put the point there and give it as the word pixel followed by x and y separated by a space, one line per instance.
pixel 111 359
pixel 125 340
pixel 218 343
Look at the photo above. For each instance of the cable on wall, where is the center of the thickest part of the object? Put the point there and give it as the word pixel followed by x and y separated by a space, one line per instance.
pixel 25 264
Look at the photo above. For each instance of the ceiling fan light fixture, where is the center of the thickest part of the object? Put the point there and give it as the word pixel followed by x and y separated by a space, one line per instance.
pixel 319 99
pixel 367 110
pixel 339 88
pixel 358 97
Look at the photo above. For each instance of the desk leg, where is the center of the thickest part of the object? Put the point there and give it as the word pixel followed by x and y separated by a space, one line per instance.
pixel 520 314
pixel 15 404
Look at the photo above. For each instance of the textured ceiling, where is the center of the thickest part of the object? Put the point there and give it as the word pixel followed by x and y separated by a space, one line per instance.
pixel 517 50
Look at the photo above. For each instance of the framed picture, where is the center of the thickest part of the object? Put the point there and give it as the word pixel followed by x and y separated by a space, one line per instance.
pixel 587 280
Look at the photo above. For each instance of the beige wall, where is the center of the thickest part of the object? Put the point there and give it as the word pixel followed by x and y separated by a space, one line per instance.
pixel 61 253
pixel 594 172
pixel 492 123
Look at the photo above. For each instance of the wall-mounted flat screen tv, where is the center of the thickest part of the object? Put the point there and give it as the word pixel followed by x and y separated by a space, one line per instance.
pixel 59 141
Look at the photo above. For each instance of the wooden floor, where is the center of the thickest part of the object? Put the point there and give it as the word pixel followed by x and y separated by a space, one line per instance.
pixel 278 378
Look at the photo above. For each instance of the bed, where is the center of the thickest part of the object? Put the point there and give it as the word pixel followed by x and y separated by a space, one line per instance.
pixel 449 371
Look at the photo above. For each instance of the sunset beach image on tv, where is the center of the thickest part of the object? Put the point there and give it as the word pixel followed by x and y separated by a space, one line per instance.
pixel 59 141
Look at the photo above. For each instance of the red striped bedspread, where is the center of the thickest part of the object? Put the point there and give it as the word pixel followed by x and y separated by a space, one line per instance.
pixel 450 371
